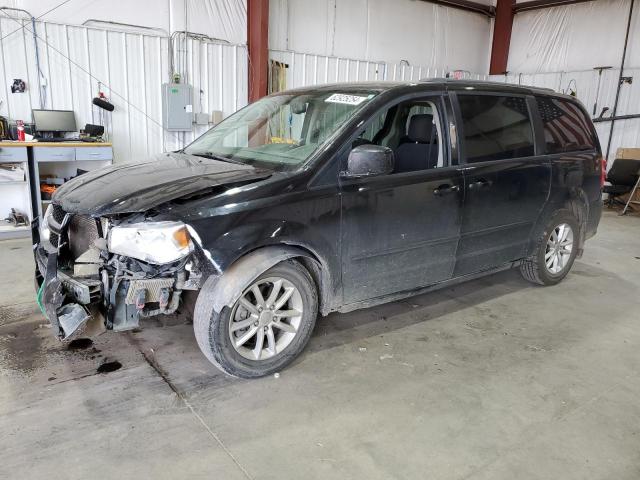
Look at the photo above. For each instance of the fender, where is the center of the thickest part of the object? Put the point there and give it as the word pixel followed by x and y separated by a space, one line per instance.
pixel 226 288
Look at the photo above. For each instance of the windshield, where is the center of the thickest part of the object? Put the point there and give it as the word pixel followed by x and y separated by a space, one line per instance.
pixel 280 132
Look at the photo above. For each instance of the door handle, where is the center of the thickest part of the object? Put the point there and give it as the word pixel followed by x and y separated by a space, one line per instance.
pixel 445 190
pixel 478 184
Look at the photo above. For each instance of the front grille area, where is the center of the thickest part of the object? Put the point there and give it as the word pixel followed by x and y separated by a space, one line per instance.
pixel 55 224
pixel 82 232
pixel 57 213
pixel 54 239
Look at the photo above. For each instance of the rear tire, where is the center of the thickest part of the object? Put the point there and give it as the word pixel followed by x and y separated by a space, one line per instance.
pixel 251 339
pixel 555 251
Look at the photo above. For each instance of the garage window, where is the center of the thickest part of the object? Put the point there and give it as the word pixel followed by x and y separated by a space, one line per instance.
pixel 495 127
pixel 566 128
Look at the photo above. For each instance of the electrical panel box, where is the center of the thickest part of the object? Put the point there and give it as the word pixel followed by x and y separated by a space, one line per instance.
pixel 177 107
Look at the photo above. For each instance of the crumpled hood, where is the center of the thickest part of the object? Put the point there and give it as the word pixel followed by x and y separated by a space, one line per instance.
pixel 137 187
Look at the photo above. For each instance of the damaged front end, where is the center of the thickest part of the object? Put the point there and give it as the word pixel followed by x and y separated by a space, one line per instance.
pixel 107 273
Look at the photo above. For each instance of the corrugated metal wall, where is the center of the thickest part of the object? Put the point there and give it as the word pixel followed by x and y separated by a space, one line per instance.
pixel 305 69
pixel 626 133
pixel 421 33
pixel 130 68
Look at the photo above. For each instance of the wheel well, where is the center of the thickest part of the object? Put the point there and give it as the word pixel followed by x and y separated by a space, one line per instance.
pixel 578 204
pixel 320 274
pixel 315 265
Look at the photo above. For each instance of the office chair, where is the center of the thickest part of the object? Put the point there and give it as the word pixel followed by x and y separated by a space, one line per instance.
pixel 624 177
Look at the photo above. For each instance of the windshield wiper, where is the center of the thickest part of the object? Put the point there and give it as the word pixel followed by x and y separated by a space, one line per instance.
pixel 214 156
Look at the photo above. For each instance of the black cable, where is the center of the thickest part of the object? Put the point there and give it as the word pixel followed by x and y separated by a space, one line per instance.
pixel 36 18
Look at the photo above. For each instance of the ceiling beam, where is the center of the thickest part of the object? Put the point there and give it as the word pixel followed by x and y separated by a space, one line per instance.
pixel 538 4
pixel 468 5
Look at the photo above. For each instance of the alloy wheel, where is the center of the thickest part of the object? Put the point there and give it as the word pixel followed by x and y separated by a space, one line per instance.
pixel 559 248
pixel 266 318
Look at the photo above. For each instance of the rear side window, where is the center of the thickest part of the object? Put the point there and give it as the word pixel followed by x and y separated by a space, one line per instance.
pixel 566 128
pixel 495 127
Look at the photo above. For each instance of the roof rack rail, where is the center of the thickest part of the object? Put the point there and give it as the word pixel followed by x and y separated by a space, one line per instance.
pixel 485 82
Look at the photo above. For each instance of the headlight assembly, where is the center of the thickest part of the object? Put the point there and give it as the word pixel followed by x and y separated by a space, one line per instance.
pixel 153 242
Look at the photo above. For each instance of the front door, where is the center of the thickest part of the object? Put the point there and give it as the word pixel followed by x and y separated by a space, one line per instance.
pixel 400 231
pixel 506 183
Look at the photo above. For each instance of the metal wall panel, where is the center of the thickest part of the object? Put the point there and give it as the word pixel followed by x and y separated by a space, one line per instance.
pixel 306 69
pixel 130 68
pixel 626 133
pixel 421 33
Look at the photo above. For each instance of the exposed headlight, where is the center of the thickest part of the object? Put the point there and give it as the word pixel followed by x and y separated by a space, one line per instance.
pixel 44 224
pixel 153 242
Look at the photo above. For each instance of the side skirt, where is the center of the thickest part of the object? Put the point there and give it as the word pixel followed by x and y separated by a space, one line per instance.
pixel 372 302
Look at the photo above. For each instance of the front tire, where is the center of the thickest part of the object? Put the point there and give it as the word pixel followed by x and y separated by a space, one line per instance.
pixel 555 251
pixel 267 327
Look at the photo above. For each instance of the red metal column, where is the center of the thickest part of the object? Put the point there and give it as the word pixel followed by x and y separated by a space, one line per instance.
pixel 502 26
pixel 257 42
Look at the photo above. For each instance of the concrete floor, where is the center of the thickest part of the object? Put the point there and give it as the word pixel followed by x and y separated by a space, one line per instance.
pixel 493 379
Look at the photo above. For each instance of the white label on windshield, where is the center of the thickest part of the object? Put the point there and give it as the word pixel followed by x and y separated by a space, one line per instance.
pixel 347 99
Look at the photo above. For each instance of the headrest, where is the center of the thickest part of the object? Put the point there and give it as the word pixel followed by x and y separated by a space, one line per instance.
pixel 420 126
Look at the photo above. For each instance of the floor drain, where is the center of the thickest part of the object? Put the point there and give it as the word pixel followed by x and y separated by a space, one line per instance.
pixel 80 344
pixel 108 367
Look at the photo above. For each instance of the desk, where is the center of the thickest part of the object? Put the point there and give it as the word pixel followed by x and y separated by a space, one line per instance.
pixel 43 159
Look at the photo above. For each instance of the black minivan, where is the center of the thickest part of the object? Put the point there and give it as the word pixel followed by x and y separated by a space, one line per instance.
pixel 322 199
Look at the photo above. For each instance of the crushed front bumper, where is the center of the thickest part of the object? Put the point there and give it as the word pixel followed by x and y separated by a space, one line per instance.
pixel 68 303
pixel 112 297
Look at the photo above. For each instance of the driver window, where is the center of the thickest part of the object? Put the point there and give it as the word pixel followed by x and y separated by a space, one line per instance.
pixel 412 130
pixel 370 133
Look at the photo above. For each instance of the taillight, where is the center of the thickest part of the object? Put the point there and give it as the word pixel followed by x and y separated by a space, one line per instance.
pixel 603 171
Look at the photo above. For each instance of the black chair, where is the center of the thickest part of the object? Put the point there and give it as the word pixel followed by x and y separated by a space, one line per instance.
pixel 623 177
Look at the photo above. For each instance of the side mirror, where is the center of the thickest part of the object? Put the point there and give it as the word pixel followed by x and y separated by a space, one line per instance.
pixel 369 161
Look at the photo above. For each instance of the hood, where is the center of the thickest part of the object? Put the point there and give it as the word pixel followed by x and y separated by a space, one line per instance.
pixel 137 187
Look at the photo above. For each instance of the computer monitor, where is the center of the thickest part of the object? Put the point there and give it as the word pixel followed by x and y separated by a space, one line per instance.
pixel 54 120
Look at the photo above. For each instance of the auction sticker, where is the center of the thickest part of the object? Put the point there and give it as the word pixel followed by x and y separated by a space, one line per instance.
pixel 346 99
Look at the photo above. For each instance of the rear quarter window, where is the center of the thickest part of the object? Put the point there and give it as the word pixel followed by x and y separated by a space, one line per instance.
pixel 566 127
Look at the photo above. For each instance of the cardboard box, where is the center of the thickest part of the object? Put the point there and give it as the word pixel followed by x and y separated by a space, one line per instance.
pixel 632 153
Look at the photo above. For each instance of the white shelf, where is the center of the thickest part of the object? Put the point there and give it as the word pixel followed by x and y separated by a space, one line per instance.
pixel 6 227
pixel 59 160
